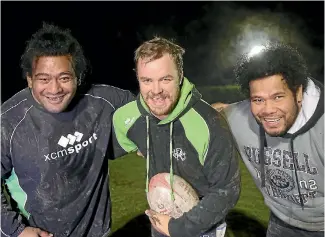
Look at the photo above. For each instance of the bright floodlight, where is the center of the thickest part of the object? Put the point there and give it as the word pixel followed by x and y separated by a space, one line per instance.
pixel 255 50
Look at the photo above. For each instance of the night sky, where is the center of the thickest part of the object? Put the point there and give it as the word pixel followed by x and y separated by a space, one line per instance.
pixel 110 32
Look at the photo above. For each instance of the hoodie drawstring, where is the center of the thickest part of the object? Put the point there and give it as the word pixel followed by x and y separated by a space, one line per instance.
pixel 171 172
pixel 295 163
pixel 147 180
pixel 263 144
pixel 261 155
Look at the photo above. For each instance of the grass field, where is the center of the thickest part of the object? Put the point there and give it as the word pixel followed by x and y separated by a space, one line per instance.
pixel 127 183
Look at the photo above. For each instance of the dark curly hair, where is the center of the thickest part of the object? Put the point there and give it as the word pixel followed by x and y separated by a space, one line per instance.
pixel 274 59
pixel 51 40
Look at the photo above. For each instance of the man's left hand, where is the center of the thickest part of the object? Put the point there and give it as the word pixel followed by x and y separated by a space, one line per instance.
pixel 159 221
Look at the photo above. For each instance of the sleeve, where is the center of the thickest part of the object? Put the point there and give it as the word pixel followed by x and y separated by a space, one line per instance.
pixel 122 97
pixel 115 96
pixel 11 221
pixel 121 143
pixel 221 169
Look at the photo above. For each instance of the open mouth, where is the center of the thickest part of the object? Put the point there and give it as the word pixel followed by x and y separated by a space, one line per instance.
pixel 55 99
pixel 158 100
pixel 271 121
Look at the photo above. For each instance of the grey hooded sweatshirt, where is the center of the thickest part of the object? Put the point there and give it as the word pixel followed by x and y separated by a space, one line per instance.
pixel 290 175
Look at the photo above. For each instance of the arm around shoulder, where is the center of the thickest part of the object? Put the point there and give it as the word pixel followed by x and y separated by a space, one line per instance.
pixel 121 143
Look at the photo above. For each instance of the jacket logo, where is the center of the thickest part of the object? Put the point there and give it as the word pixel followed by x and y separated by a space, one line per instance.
pixel 128 121
pixel 280 180
pixel 71 144
pixel 179 154
pixel 70 139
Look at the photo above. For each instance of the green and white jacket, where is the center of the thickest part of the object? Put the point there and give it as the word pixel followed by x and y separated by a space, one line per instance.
pixel 193 142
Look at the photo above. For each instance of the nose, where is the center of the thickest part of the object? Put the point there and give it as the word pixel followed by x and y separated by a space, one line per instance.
pixel 269 107
pixel 54 87
pixel 156 88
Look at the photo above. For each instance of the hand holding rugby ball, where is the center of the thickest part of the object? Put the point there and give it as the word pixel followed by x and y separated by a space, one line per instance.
pixel 160 199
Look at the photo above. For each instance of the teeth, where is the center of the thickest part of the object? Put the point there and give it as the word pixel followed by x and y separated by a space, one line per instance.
pixel 158 99
pixel 55 98
pixel 272 120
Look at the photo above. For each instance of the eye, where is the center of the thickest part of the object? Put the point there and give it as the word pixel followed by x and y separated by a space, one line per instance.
pixel 258 100
pixel 278 97
pixel 65 79
pixel 146 81
pixel 165 80
pixel 43 79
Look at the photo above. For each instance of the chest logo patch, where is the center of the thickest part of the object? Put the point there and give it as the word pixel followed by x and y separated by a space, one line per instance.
pixel 179 154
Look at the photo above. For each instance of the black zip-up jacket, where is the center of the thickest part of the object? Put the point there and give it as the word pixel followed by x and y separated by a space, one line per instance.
pixel 56 165
pixel 203 153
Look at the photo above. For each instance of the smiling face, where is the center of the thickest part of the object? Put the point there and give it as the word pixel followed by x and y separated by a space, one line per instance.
pixel 53 82
pixel 159 84
pixel 273 104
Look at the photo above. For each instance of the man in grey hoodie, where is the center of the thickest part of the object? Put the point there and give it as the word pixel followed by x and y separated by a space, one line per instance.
pixel 279 131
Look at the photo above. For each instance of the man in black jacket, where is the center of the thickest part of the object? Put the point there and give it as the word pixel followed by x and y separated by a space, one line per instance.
pixel 54 144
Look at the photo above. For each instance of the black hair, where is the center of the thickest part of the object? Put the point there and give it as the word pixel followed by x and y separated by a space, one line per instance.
pixel 51 40
pixel 274 59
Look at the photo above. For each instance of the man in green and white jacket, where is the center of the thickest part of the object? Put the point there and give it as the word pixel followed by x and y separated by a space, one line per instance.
pixel 179 133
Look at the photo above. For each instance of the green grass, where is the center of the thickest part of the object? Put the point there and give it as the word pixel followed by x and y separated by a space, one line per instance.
pixel 127 183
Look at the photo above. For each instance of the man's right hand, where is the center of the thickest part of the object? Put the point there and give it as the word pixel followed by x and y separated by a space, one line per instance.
pixel 34 232
pixel 139 153
pixel 219 106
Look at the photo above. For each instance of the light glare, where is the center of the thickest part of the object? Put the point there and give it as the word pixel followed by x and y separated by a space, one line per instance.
pixel 256 50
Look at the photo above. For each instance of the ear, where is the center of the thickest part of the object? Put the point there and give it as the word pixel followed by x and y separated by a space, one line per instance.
pixel 29 81
pixel 299 95
pixel 181 79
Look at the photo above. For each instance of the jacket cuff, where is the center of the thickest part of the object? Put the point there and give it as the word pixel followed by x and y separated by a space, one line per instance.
pixel 20 229
pixel 175 228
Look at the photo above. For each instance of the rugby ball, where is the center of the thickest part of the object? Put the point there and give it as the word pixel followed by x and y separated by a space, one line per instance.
pixel 160 199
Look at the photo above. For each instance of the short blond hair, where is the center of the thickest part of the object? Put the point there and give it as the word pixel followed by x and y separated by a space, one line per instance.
pixel 156 48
